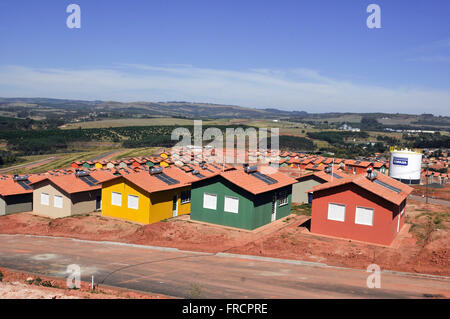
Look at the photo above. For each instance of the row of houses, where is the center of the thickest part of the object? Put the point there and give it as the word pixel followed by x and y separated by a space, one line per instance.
pixel 368 207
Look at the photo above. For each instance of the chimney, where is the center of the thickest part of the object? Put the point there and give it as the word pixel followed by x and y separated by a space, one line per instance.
pixel 371 175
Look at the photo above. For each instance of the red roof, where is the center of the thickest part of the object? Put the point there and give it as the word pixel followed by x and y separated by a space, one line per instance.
pixel 362 181
pixel 10 187
pixel 70 183
pixel 254 185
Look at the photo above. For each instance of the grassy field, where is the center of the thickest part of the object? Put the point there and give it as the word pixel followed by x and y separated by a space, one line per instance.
pixel 136 152
pixel 130 122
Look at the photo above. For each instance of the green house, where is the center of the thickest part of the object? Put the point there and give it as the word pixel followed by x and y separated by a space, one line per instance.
pixel 242 198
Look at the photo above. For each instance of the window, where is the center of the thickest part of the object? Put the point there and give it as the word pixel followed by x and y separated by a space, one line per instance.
pixel 185 197
pixel 282 199
pixel 57 201
pixel 133 202
pixel 364 216
pixel 231 204
pixel 209 201
pixel 45 199
pixel 116 199
pixel 336 212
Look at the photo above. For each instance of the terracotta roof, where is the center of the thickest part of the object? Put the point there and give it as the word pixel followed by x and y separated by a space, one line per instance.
pixel 10 187
pixel 71 184
pixel 254 185
pixel 362 181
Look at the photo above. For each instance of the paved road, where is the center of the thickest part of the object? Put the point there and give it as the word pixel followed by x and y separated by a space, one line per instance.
pixel 11 168
pixel 190 274
pixel 435 201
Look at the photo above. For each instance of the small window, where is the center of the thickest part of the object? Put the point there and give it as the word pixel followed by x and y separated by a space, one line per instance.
pixel 336 212
pixel 116 199
pixel 45 199
pixel 58 201
pixel 282 199
pixel 364 216
pixel 185 197
pixel 209 201
pixel 133 202
pixel 231 204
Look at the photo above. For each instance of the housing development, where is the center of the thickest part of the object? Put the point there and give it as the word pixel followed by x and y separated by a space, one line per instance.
pixel 225 156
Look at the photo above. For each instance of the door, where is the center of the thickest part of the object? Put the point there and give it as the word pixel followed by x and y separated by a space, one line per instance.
pixel 310 198
pixel 98 203
pixel 274 208
pixel 175 206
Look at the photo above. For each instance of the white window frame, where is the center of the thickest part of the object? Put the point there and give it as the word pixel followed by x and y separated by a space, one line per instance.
pixel 130 201
pixel 187 198
pixel 112 199
pixel 47 202
pixel 234 210
pixel 336 219
pixel 211 195
pixel 358 221
pixel 54 201
pixel 283 199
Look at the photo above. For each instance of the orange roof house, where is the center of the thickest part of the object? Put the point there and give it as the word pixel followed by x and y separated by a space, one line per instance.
pixel 61 195
pixel 366 207
pixel 246 198
pixel 16 194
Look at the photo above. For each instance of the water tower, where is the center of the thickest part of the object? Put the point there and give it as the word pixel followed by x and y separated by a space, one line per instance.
pixel 405 165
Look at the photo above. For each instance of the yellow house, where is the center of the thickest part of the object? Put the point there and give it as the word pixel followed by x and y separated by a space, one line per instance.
pixel 148 196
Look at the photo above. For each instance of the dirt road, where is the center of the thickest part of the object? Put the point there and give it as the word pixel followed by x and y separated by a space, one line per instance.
pixel 207 275
pixel 30 164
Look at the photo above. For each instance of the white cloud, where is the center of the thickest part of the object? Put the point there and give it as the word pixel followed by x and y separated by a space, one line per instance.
pixel 299 89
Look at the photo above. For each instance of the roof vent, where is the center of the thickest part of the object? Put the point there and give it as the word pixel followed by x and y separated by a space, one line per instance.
pixel 371 175
pixel 156 170
pixel 250 169
pixel 18 178
pixel 81 173
pixel 327 170
pixel 196 172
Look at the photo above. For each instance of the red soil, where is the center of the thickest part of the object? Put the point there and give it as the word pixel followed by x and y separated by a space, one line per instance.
pixel 282 239
pixel 440 193
pixel 16 285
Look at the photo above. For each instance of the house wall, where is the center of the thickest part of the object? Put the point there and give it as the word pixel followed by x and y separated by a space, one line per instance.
pixel 263 206
pixel 221 188
pixel 254 210
pixel 141 215
pixel 16 204
pixel 2 206
pixel 84 202
pixel 162 204
pixel 152 207
pixel 50 210
pixel 299 189
pixel 384 227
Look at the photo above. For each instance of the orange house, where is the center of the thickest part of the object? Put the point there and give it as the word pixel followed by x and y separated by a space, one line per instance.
pixel 366 207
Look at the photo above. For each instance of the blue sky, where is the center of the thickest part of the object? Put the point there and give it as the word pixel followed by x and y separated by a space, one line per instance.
pixel 313 55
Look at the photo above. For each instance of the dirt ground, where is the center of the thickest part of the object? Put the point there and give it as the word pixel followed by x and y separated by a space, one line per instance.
pixel 423 245
pixel 18 285
pixel 440 193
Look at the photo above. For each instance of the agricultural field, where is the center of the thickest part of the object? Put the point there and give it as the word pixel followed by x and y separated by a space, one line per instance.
pixel 107 123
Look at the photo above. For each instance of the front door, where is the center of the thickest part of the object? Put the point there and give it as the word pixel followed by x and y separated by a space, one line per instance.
pixel 98 203
pixel 175 206
pixel 274 208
